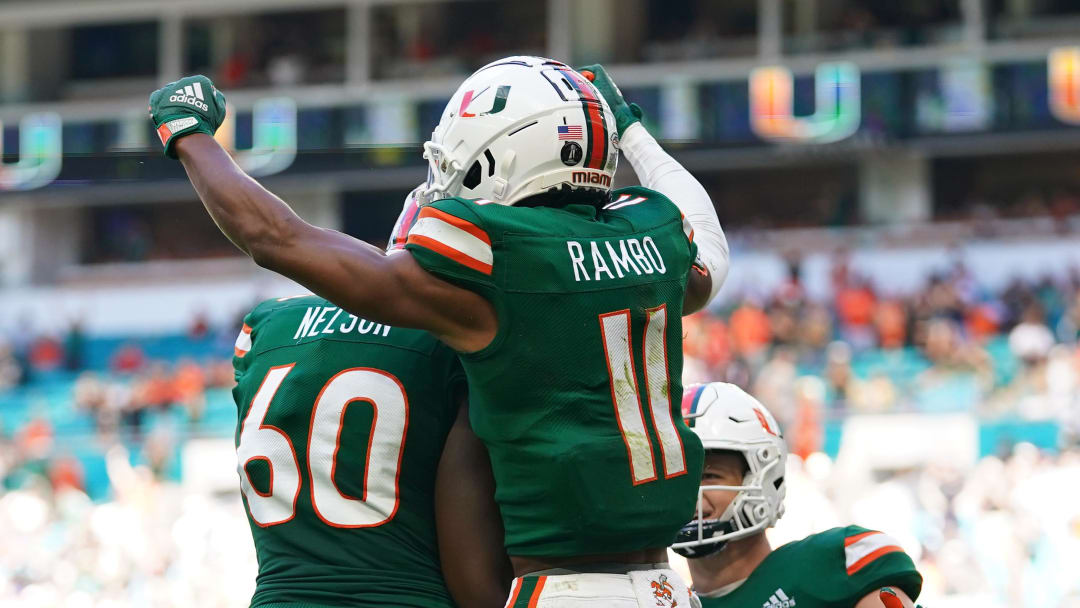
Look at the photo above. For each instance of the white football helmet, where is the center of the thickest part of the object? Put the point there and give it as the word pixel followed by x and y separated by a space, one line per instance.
pixel 521 126
pixel 726 418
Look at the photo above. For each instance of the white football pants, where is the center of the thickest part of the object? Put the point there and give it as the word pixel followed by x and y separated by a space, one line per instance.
pixel 662 588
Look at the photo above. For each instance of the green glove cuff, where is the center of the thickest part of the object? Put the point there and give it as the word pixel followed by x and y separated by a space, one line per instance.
pixel 630 114
pixel 173 128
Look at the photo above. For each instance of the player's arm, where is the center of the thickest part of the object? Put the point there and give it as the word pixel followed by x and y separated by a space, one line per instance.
pixel 657 170
pixel 354 275
pixel 886 597
pixel 474 563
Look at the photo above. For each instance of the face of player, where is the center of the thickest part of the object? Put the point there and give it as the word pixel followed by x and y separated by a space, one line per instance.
pixel 721 469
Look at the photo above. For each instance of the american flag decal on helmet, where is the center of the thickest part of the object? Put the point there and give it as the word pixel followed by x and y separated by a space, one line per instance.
pixel 570 132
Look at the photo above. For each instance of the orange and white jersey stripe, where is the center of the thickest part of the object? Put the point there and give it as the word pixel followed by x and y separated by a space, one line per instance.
pixel 687 227
pixel 862 549
pixel 243 341
pixel 454 238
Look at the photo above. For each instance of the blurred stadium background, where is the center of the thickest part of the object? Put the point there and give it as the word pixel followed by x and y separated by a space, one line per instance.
pixel 900 183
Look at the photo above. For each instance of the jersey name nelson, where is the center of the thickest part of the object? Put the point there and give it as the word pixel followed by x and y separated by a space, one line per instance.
pixel 323 320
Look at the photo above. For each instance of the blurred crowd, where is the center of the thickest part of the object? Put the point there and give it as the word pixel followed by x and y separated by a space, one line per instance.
pixel 60 411
pixel 950 346
pixel 154 543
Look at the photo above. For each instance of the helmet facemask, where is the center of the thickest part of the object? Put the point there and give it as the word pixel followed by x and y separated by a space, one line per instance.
pixel 747 514
pixel 727 419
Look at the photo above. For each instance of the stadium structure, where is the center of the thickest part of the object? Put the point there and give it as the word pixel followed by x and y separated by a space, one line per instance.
pixel 898 180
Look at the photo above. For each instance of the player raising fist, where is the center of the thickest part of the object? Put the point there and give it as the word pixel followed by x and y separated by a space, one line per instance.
pixel 563 296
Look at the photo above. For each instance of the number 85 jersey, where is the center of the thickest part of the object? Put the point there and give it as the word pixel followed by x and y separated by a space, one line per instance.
pixel 573 397
pixel 341 426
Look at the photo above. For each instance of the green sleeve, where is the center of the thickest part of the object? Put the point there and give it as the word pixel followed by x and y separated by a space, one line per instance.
pixel 868 560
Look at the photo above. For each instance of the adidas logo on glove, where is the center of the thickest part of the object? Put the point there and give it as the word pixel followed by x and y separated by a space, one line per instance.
pixel 191 95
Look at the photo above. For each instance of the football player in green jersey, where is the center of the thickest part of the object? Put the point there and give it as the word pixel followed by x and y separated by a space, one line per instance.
pixel 563 297
pixel 351 444
pixel 742 494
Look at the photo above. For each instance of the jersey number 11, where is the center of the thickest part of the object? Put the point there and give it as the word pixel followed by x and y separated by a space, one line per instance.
pixel 615 329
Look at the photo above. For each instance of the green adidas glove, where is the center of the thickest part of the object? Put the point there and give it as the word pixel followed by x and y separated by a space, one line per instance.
pixel 189 105
pixel 626 114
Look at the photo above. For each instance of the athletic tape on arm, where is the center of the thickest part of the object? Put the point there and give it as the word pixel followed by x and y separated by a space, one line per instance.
pixel 658 171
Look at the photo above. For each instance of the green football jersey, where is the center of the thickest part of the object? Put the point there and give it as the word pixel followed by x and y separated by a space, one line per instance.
pixel 341 426
pixel 831 569
pixel 573 397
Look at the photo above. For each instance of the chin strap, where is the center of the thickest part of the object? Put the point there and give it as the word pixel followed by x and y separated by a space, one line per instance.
pixel 658 171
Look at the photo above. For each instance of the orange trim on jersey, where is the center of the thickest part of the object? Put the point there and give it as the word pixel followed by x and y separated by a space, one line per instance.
pixel 637 395
pixel 240 352
pixel 457 222
pixel 851 540
pixel 872 556
pixel 537 591
pixel 689 235
pixel 292 448
pixel 270 466
pixel 367 454
pixel 514 592
pixel 667 380
pixel 449 252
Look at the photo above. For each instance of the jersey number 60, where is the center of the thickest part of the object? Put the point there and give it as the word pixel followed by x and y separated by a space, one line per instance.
pixel 379 501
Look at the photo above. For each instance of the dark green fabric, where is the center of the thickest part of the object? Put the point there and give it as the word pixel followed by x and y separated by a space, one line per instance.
pixel 813 573
pixel 167 106
pixel 305 561
pixel 541 396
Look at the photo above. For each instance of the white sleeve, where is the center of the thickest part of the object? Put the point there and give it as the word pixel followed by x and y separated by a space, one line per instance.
pixel 657 170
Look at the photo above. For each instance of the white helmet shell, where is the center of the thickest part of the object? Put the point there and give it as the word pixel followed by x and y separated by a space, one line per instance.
pixel 521 126
pixel 726 418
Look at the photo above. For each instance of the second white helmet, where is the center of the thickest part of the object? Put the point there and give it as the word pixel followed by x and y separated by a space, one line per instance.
pixel 726 418
pixel 518 127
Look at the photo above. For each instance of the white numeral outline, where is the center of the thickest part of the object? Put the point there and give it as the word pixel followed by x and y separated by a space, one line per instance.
pixel 615 331
pixel 656 366
pixel 265 509
pixel 354 385
pixel 379 500
pixel 619 356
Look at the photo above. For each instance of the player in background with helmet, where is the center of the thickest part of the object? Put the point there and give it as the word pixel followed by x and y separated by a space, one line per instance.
pixel 352 444
pixel 742 495
pixel 563 297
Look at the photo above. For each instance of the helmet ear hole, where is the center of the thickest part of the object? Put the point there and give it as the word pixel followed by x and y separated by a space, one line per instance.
pixel 472 178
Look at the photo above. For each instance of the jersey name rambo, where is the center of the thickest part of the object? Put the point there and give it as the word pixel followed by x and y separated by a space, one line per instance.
pixel 341 426
pixel 573 396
